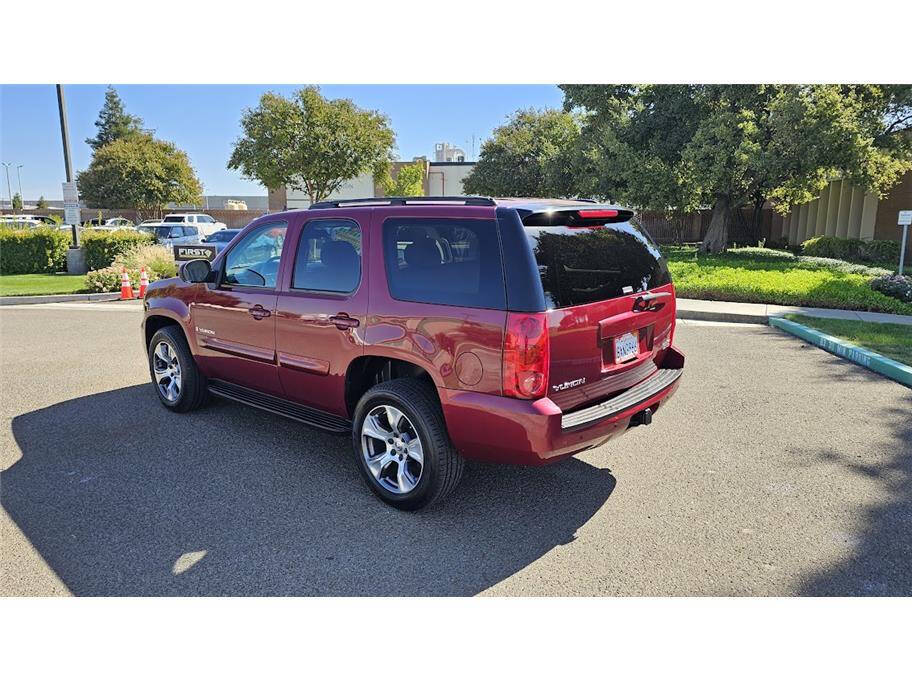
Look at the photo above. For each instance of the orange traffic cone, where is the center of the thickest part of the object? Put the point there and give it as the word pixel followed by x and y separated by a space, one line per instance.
pixel 126 290
pixel 143 282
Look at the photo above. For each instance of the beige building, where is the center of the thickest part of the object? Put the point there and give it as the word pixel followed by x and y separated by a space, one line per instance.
pixel 442 178
pixel 842 210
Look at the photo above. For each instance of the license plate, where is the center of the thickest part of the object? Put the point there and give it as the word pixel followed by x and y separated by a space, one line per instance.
pixel 626 347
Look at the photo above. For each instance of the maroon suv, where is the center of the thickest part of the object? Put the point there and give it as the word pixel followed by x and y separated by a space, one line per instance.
pixel 431 329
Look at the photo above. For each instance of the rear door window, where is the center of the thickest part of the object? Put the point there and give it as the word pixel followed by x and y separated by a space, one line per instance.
pixel 328 257
pixel 449 261
pixel 584 265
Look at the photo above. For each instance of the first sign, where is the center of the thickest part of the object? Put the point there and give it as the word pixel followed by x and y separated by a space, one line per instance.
pixel 905 218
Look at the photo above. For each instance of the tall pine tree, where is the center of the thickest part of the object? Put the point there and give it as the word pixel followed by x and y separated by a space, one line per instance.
pixel 113 122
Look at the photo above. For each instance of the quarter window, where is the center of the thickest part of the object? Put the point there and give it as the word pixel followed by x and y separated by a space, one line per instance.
pixel 254 262
pixel 446 261
pixel 328 257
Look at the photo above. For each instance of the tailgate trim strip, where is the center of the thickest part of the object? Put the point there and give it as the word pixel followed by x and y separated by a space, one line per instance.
pixel 633 396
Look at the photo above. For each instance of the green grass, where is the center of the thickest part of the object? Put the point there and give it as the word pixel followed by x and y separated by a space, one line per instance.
pixel 778 277
pixel 892 340
pixel 33 285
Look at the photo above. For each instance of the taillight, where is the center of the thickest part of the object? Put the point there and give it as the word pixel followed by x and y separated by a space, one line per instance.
pixel 526 355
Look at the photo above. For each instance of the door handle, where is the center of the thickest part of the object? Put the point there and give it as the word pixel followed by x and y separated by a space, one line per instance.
pixel 343 321
pixel 258 312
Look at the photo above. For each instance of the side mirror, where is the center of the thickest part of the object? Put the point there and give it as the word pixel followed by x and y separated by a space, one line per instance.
pixel 195 271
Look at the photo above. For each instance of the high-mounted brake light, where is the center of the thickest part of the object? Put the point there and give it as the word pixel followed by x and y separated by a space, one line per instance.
pixel 526 356
pixel 597 213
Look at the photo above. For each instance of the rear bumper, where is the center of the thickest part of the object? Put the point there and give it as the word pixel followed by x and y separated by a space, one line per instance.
pixel 515 431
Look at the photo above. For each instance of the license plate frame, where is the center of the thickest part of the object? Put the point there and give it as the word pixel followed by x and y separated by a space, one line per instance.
pixel 626 347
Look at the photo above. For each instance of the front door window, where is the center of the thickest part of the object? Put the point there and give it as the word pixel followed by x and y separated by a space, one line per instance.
pixel 254 262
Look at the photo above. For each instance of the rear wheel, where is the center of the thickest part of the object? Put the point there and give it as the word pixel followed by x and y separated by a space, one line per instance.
pixel 180 385
pixel 401 444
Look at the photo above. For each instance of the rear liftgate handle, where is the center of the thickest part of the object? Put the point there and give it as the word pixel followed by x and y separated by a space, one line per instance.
pixel 643 303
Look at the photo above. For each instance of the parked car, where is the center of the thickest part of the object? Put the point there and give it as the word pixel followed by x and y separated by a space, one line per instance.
pixel 110 224
pixel 430 330
pixel 206 224
pixel 220 239
pixel 170 235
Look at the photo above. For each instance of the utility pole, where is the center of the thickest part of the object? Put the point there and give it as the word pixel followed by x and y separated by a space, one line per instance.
pixel 19 178
pixel 8 190
pixel 65 134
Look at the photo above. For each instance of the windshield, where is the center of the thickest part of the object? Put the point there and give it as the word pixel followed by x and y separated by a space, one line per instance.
pixel 579 266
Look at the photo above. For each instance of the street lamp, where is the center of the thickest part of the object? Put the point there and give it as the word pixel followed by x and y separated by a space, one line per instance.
pixel 19 177
pixel 8 190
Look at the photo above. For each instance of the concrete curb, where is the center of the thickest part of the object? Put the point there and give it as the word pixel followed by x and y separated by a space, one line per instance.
pixel 860 356
pixel 57 298
pixel 718 316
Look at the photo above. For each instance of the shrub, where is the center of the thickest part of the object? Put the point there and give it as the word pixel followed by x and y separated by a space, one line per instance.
pixel 108 279
pixel 105 279
pixel 874 251
pixel 897 286
pixel 102 247
pixel 844 266
pixel 156 259
pixel 33 250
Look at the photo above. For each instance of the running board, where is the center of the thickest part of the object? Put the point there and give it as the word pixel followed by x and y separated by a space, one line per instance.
pixel 285 408
pixel 635 395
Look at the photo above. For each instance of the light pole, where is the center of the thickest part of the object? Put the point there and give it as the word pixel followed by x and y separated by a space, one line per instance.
pixel 65 135
pixel 8 190
pixel 19 178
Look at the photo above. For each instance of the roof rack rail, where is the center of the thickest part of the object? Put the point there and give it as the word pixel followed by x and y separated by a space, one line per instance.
pixel 402 201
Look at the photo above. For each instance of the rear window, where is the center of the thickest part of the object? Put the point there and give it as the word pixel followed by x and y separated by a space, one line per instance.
pixel 174 219
pixel 449 261
pixel 583 265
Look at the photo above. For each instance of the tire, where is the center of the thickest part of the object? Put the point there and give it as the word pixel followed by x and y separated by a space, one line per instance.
pixel 441 466
pixel 192 389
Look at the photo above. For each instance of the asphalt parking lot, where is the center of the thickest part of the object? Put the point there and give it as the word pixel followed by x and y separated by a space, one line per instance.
pixel 777 470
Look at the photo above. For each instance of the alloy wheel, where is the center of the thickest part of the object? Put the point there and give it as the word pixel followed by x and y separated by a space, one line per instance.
pixel 167 370
pixel 392 449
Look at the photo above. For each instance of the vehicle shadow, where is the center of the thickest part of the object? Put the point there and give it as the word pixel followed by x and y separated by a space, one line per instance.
pixel 122 497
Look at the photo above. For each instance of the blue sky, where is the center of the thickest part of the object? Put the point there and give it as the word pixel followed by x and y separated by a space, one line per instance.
pixel 203 120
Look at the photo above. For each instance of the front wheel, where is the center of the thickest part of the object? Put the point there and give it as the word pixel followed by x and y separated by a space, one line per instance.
pixel 401 444
pixel 178 382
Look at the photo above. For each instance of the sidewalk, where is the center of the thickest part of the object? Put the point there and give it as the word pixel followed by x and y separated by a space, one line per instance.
pixel 57 298
pixel 759 313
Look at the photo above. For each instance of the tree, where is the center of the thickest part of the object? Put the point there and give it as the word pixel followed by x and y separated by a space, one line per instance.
pixel 113 122
pixel 408 183
pixel 17 202
pixel 309 143
pixel 141 173
pixel 529 156
pixel 42 203
pixel 678 147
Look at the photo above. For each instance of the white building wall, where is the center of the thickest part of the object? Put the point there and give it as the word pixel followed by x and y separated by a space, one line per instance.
pixel 446 179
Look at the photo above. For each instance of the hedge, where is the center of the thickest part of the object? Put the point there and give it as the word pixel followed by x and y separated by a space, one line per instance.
pixel 102 247
pixel 874 251
pixel 33 250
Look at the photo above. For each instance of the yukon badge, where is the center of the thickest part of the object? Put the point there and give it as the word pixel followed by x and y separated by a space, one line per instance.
pixel 568 384
pixel 203 330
